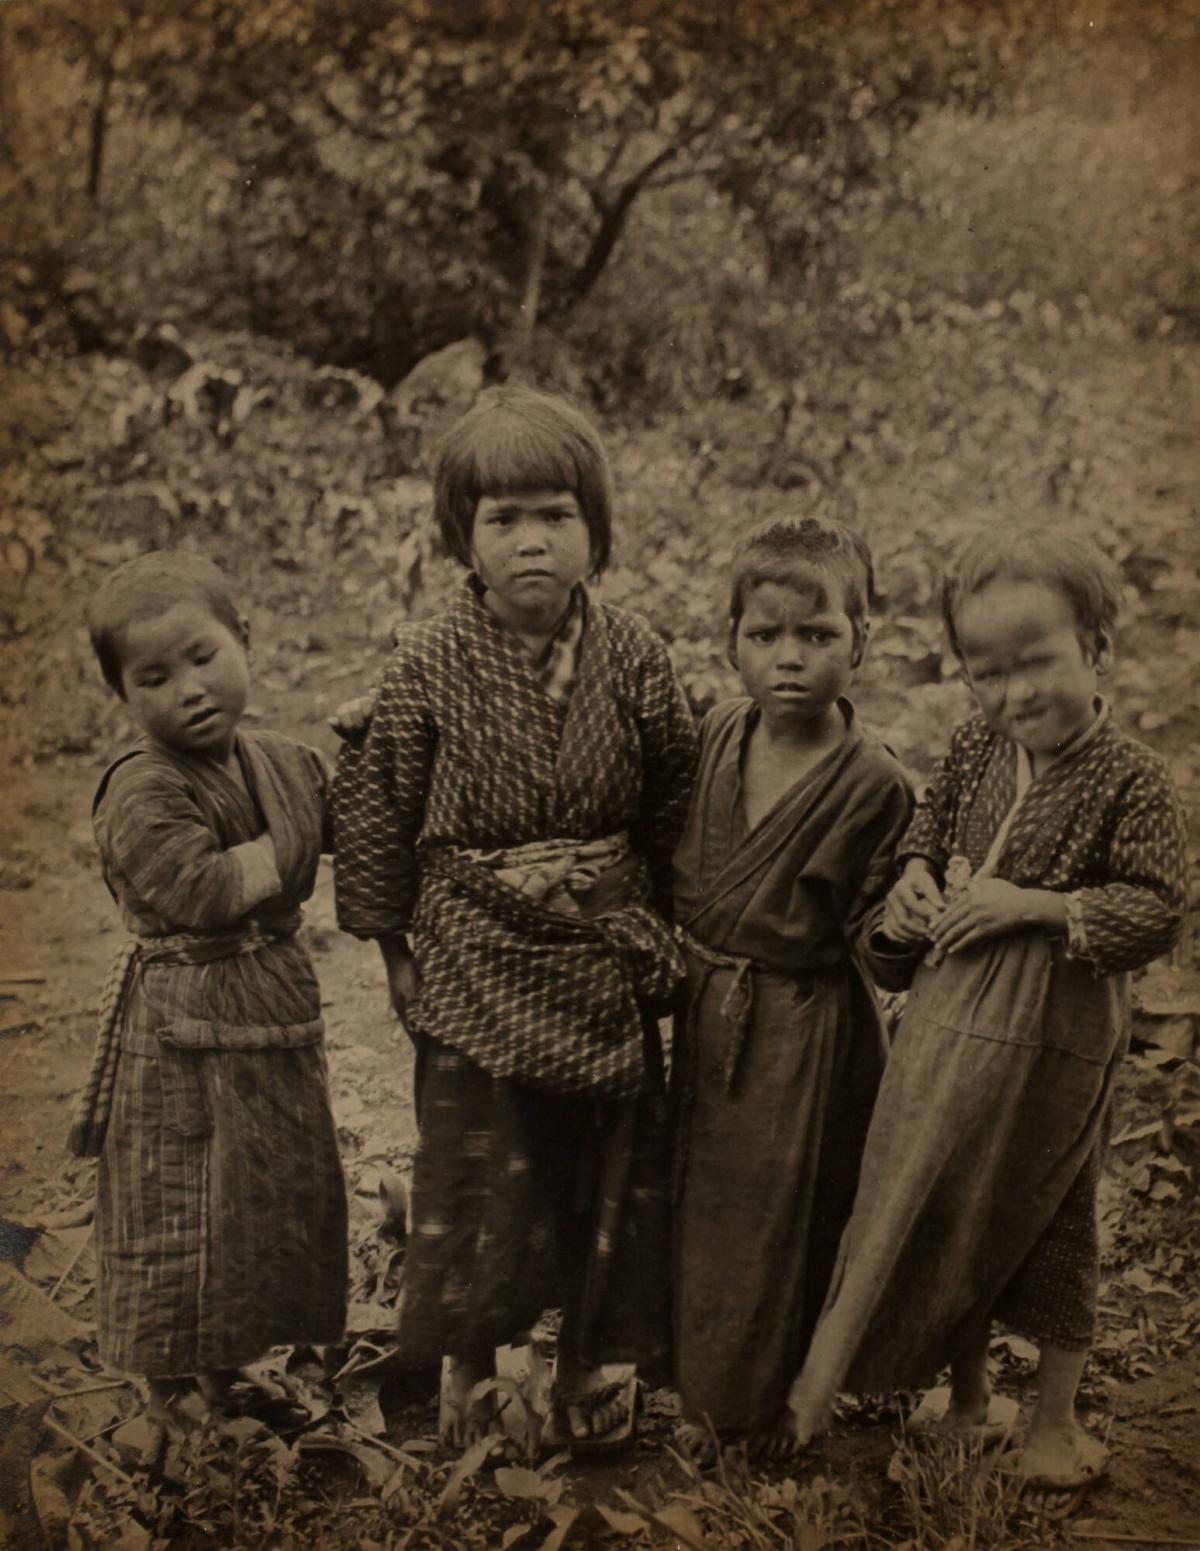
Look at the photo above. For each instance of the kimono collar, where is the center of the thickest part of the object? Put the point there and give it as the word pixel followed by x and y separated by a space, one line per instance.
pixel 733 750
pixel 568 629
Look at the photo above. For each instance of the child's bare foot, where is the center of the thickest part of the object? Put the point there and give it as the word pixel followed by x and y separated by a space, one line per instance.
pixel 975 1417
pixel 777 1445
pixel 698 1444
pixel 1057 1465
pixel 462 1418
pixel 231 1392
pixel 594 1408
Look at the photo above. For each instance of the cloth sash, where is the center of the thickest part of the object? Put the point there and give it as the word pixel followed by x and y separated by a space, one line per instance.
pixel 737 1007
pixel 581 912
pixel 93 1107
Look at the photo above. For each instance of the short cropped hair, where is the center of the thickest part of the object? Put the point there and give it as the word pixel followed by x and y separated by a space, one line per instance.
pixel 1072 565
pixel 146 587
pixel 804 552
pixel 515 439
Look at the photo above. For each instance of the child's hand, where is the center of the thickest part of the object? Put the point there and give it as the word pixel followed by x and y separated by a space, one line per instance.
pixel 353 717
pixel 913 905
pixel 402 978
pixel 402 984
pixel 989 907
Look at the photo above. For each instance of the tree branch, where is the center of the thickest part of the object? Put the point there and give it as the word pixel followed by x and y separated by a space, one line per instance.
pixel 613 222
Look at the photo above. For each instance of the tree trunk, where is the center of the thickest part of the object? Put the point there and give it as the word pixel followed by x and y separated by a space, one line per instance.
pixel 520 340
pixel 98 132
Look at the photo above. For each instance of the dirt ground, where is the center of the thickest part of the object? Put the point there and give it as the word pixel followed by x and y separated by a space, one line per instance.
pixel 60 931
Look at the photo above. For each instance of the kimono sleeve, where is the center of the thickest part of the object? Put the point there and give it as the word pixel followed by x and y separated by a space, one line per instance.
pixel 667 732
pixel 159 851
pixel 931 833
pixel 1138 915
pixel 889 964
pixel 378 802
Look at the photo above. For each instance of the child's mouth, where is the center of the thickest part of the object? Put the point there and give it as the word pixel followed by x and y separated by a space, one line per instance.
pixel 201 718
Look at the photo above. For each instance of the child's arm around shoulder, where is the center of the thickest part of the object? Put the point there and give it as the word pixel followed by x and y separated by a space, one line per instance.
pixel 378 801
pixel 155 839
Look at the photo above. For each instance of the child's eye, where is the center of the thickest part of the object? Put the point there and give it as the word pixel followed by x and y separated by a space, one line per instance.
pixel 820 637
pixel 762 636
pixel 200 658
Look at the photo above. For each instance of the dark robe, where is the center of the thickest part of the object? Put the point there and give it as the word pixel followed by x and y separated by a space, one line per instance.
pixel 778 1057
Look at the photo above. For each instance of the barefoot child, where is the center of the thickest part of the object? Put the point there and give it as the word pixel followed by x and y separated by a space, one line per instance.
pixel 786 857
pixel 505 832
pixel 978 1192
pixel 220 1210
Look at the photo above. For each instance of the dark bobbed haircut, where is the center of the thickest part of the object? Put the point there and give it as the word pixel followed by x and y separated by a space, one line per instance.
pixel 805 553
pixel 1072 565
pixel 146 587
pixel 515 439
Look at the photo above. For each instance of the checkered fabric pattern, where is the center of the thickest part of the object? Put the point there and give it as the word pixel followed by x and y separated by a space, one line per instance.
pixel 468 750
pixel 1103 825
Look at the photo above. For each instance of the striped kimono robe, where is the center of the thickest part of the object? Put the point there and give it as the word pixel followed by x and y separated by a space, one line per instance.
pixel 539 1096
pixel 221 1209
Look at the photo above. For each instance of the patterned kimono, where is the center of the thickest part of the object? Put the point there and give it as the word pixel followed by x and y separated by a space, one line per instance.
pixel 979 1179
pixel 539 1075
pixel 778 1057
pixel 221 1209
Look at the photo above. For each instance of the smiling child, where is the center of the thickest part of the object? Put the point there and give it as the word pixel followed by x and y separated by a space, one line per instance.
pixel 978 1192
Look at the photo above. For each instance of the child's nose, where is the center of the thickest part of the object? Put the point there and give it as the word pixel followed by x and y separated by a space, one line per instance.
pixel 190 689
pixel 531 538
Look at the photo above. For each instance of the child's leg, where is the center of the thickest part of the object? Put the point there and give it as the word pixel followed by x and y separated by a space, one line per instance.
pixel 970 1392
pixel 1058 1452
pixel 461 1421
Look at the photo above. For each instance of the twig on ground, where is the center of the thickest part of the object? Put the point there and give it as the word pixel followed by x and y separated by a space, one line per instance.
pixel 1131 1540
pixel 83 1244
pixel 94 1454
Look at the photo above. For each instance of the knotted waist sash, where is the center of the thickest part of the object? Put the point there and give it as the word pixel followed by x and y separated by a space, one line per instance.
pixel 736 1008
pixel 539 961
pixel 182 1094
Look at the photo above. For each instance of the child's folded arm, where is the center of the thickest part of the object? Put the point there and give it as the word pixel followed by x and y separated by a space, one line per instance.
pixel 156 838
pixel 1138 915
pixel 378 803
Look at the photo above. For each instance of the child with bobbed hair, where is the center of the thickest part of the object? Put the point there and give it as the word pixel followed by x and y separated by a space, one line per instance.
pixel 781 874
pixel 504 831
pixel 220 1204
pixel 1045 862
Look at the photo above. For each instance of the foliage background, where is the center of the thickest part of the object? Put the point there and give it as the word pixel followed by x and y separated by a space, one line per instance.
pixel 925 266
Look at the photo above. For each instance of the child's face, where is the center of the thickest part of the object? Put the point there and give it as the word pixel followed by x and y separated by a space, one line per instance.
pixel 1033 677
pixel 530 549
pixel 185 679
pixel 795 657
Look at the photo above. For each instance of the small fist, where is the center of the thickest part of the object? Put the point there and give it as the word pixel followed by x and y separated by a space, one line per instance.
pixel 353 717
pixel 913 905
